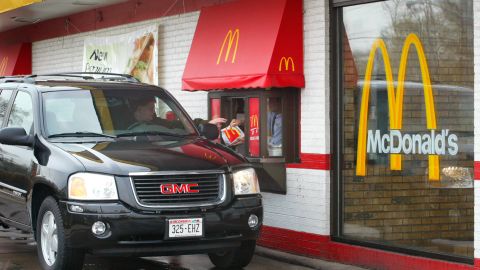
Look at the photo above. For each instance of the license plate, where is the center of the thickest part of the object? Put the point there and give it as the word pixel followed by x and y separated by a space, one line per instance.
pixel 185 227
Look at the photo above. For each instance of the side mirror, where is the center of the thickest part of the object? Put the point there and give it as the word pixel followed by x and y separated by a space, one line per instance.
pixel 15 136
pixel 210 131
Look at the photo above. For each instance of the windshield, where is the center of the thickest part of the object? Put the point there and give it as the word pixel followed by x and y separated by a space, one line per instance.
pixel 112 113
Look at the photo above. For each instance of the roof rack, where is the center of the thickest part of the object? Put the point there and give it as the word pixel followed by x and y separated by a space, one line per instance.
pixel 18 79
pixel 77 75
pixel 91 76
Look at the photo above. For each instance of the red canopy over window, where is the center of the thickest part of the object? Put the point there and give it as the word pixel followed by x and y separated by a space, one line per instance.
pixel 16 59
pixel 247 44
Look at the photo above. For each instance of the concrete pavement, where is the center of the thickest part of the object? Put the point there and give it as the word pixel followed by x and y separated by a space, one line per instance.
pixel 18 252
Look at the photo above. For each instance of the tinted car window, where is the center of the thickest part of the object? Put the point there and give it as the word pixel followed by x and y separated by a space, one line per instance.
pixel 22 112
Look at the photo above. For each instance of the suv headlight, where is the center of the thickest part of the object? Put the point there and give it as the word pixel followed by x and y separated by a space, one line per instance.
pixel 91 186
pixel 245 182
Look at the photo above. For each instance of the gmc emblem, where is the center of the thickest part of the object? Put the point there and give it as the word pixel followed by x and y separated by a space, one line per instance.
pixel 169 189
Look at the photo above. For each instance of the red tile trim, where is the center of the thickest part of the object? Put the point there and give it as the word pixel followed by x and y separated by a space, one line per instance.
pixel 476 263
pixel 476 170
pixel 321 246
pixel 312 161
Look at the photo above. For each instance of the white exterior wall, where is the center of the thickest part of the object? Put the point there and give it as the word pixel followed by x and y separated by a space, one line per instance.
pixel 306 207
pixel 476 35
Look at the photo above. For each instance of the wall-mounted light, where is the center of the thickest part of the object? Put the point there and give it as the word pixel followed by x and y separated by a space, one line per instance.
pixel 85 3
pixel 20 19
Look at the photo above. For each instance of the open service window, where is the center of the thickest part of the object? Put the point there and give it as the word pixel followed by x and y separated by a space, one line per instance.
pixel 268 122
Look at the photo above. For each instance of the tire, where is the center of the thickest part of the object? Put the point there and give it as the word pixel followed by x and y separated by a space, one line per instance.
pixel 235 258
pixel 64 258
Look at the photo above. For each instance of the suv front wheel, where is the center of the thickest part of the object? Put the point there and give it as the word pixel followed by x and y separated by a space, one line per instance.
pixel 52 249
pixel 235 258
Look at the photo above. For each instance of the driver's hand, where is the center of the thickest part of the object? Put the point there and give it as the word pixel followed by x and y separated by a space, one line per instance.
pixel 217 121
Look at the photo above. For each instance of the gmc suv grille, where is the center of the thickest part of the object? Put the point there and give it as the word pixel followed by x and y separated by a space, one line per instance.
pixel 148 189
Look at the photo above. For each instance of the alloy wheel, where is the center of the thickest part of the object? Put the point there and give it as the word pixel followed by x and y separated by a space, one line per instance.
pixel 49 239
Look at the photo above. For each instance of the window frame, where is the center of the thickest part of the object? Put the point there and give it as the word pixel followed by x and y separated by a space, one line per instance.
pixel 272 170
pixel 9 105
pixel 336 134
pixel 344 3
pixel 290 140
pixel 13 97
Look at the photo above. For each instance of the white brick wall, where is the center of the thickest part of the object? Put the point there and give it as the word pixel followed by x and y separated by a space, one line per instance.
pixel 306 207
pixel 315 122
pixel 476 34
pixel 476 43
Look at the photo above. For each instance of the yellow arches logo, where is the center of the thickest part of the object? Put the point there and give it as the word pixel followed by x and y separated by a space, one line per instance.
pixel 254 121
pixel 395 103
pixel 3 66
pixel 232 36
pixel 285 62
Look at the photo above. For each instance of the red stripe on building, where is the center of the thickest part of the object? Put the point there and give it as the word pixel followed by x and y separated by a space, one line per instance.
pixel 320 246
pixel 477 264
pixel 312 161
pixel 476 170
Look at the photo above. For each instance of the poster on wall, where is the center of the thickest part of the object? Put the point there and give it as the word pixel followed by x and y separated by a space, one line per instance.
pixel 134 53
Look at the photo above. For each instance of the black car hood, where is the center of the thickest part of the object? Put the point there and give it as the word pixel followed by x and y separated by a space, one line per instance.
pixel 127 156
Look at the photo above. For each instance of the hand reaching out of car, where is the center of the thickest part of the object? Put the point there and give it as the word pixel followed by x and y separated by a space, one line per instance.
pixel 217 121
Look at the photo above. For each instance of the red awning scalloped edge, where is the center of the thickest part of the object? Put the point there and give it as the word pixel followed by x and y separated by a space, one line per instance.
pixel 249 81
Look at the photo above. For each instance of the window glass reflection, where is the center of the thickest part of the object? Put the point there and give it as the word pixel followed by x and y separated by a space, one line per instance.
pixel 408 124
pixel 4 99
pixel 274 124
pixel 22 112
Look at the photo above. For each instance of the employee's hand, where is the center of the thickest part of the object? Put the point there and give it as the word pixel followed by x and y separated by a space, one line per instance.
pixel 235 122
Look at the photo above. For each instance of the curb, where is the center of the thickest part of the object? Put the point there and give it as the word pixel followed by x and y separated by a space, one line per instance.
pixel 301 260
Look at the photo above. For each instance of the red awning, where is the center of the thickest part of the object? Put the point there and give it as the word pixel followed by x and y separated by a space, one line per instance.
pixel 16 59
pixel 247 44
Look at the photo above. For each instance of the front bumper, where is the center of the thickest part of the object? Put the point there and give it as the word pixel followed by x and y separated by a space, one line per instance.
pixel 141 233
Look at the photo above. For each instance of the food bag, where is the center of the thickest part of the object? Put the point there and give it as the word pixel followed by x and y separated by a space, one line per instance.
pixel 231 134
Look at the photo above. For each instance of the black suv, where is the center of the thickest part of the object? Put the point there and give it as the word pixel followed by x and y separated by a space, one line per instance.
pixel 106 165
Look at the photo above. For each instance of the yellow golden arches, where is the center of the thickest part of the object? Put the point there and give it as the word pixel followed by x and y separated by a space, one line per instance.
pixel 3 66
pixel 254 121
pixel 395 102
pixel 285 62
pixel 231 37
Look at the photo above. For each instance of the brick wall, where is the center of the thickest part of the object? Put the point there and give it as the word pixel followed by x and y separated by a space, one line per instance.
pixel 307 203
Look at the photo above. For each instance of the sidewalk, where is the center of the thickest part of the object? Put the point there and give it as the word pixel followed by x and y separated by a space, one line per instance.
pixel 303 261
